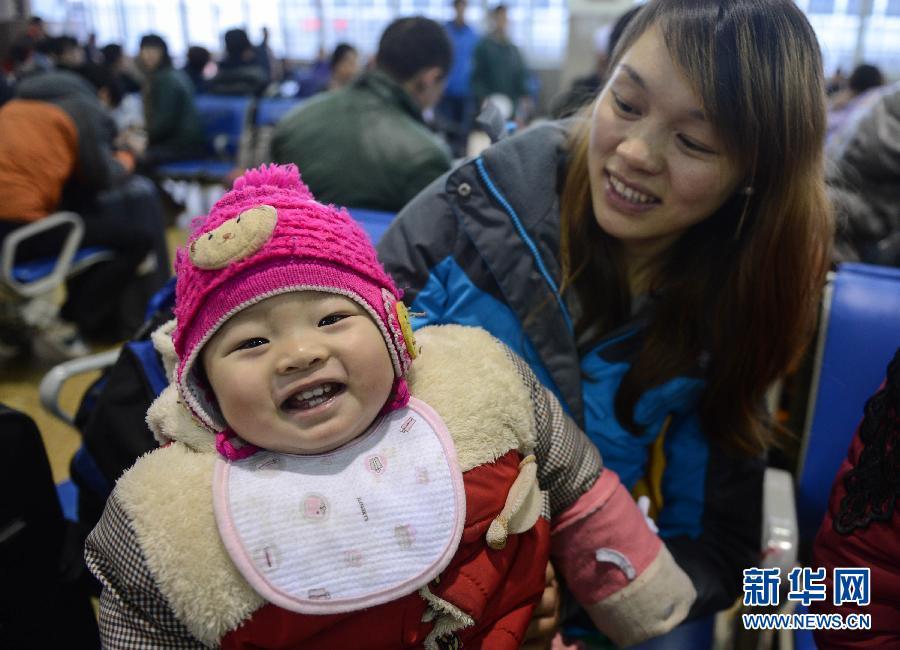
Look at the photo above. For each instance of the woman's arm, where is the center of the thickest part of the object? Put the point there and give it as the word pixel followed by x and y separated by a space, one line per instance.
pixel 614 565
pixel 731 535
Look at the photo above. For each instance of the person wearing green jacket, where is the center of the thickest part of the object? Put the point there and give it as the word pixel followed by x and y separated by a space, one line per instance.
pixel 173 125
pixel 498 67
pixel 366 145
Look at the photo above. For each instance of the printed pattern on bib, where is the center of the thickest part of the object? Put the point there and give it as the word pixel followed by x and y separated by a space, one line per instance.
pixel 359 526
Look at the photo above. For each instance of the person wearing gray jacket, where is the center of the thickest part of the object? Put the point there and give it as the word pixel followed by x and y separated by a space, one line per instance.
pixel 864 184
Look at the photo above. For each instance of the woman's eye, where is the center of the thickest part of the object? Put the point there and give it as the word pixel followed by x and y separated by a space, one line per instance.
pixel 251 343
pixel 331 319
pixel 624 106
pixel 694 145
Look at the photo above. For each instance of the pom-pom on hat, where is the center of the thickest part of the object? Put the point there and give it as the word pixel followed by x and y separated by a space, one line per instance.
pixel 265 237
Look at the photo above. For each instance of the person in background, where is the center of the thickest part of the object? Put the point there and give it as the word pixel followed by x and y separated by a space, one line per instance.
pixel 91 51
pixel 635 254
pixel 498 67
pixel 457 106
pixel 65 52
pixel 171 120
pixel 344 66
pixel 861 527
pixel 113 58
pixel 863 178
pixel 584 89
pixel 847 104
pixel 366 145
pixel 198 59
pixel 241 71
pixel 36 30
pixel 57 154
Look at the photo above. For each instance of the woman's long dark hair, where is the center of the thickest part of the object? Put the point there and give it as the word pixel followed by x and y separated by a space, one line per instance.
pixel 741 287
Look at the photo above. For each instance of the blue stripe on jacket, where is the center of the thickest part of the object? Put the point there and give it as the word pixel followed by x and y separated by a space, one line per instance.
pixel 449 296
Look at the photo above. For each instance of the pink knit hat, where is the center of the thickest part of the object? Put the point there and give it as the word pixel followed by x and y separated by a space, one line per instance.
pixel 265 237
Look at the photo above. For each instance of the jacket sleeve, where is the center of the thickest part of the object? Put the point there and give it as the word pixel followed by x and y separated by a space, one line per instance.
pixel 422 235
pixel 613 563
pixel 732 531
pixel 133 612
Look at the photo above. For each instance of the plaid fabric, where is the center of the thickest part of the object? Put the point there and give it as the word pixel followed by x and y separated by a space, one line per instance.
pixel 568 463
pixel 133 612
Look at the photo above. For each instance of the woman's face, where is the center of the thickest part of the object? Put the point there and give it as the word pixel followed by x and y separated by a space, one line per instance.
pixel 150 57
pixel 656 163
pixel 346 68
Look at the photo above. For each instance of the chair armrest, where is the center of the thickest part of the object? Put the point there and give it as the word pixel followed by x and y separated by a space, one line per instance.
pixel 779 530
pixel 63 261
pixel 53 381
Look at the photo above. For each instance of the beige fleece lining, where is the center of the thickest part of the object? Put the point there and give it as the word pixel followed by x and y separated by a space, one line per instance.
pixel 463 373
pixel 168 496
pixel 654 603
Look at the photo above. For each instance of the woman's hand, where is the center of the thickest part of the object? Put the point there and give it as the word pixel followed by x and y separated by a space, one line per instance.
pixel 545 620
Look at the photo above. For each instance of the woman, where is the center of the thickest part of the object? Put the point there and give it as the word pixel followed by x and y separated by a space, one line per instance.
pixel 657 260
pixel 173 125
pixel 344 66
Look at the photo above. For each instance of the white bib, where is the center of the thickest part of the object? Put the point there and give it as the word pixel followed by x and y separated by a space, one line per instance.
pixel 356 527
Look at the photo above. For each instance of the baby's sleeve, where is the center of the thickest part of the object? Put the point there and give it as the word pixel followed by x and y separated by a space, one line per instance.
pixel 615 566
pixel 133 612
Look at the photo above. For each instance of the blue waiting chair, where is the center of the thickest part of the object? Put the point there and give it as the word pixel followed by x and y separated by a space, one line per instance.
pixel 30 311
pixel 270 110
pixel 255 143
pixel 374 222
pixel 38 277
pixel 859 334
pixel 224 119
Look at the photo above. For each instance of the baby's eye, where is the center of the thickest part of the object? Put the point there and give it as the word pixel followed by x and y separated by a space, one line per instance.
pixel 331 319
pixel 254 342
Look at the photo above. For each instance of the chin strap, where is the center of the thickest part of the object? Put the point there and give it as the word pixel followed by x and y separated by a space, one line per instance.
pixel 227 449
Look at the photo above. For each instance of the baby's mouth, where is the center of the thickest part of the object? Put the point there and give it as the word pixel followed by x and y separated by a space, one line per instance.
pixel 312 397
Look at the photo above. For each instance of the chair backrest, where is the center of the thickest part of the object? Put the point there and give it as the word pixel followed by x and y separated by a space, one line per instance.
pixel 374 222
pixel 271 109
pixel 255 144
pixel 223 118
pixel 859 333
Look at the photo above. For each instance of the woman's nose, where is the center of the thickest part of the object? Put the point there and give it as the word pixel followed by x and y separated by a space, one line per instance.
pixel 641 149
pixel 301 353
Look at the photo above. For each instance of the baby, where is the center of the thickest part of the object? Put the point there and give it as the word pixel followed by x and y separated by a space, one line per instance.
pixel 328 481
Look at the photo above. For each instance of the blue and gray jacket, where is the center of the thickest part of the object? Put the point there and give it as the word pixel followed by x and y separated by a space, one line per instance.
pixel 480 246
